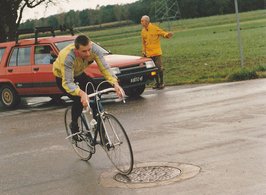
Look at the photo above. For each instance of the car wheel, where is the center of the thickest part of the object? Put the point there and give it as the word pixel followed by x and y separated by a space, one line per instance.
pixel 9 96
pixel 55 97
pixel 135 92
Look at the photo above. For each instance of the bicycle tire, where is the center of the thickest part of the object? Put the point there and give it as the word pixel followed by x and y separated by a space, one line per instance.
pixel 120 153
pixel 82 148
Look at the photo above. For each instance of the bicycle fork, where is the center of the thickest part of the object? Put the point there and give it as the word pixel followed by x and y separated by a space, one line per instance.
pixel 114 132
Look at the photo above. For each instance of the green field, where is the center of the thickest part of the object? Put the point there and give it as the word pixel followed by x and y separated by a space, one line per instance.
pixel 203 50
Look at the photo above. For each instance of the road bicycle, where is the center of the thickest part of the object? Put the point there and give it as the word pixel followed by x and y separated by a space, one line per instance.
pixel 105 130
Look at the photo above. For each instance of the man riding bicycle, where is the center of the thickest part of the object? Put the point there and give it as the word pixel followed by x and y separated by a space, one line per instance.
pixel 71 79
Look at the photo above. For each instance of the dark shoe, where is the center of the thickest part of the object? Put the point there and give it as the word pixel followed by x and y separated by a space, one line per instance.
pixel 156 86
pixel 74 129
pixel 161 86
pixel 108 147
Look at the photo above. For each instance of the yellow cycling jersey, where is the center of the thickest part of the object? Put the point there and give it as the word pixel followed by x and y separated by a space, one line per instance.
pixel 151 40
pixel 67 66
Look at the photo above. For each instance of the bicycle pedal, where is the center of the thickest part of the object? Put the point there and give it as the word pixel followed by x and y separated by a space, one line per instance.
pixel 109 147
pixel 74 134
pixel 91 146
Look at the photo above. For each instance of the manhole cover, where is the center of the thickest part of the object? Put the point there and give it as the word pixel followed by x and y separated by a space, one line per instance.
pixel 150 174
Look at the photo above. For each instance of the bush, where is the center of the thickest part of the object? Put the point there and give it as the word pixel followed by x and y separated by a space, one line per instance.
pixel 261 68
pixel 242 74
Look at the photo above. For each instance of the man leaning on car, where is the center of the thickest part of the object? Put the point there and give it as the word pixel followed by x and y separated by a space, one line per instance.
pixel 71 79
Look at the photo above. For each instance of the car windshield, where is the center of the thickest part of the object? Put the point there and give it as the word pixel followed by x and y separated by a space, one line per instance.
pixel 63 44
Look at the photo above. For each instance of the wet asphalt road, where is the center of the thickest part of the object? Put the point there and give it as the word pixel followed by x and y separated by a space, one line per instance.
pixel 220 128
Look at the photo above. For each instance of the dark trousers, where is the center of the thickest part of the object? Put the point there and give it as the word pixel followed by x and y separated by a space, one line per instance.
pixel 158 63
pixel 77 107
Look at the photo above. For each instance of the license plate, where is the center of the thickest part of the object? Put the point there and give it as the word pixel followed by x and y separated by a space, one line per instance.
pixel 136 79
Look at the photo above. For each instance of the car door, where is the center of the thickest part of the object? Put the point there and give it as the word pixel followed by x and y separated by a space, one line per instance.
pixel 42 67
pixel 18 69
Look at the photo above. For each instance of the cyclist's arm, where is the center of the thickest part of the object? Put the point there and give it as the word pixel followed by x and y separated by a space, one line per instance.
pixel 107 72
pixel 68 76
pixel 83 98
pixel 104 66
pixel 68 81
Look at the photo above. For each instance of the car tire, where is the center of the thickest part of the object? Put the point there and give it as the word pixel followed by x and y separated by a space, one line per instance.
pixel 55 97
pixel 9 97
pixel 135 92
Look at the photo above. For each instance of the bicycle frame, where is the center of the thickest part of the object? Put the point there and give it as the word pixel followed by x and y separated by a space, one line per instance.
pixel 89 130
pixel 99 113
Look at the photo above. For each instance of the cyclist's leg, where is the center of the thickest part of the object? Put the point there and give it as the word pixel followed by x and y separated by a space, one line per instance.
pixel 83 79
pixel 76 106
pixel 93 108
pixel 82 148
pixel 76 109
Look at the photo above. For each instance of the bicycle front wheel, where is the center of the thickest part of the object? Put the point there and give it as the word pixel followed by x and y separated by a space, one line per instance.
pixel 116 144
pixel 81 147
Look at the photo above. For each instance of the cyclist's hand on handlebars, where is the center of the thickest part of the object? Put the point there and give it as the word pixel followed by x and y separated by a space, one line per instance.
pixel 119 91
pixel 84 99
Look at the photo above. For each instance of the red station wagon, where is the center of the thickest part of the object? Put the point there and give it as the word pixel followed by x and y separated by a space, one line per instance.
pixel 26 68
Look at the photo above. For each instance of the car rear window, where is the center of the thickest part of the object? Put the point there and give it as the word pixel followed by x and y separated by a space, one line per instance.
pixel 20 57
pixel 2 51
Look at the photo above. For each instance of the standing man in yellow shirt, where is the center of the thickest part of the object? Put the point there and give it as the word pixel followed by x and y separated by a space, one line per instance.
pixel 151 46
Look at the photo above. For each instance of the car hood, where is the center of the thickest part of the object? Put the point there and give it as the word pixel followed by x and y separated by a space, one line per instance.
pixel 115 60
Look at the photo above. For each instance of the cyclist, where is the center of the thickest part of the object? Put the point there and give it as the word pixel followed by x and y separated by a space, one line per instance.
pixel 71 79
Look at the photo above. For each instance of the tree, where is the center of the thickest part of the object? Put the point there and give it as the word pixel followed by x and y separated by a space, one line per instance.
pixel 84 17
pixel 125 12
pixel 107 14
pixel 118 12
pixel 11 15
pixel 71 19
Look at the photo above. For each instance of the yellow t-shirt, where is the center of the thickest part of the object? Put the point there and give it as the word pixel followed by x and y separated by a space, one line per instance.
pixel 151 40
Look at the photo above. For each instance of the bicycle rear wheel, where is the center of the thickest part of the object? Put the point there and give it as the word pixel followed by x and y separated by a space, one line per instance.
pixel 119 149
pixel 82 147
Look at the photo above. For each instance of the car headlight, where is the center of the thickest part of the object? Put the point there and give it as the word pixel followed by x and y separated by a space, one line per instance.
pixel 116 70
pixel 149 64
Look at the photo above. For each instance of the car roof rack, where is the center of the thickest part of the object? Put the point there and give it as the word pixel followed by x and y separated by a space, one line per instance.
pixel 36 32
pixel 23 32
pixel 43 30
